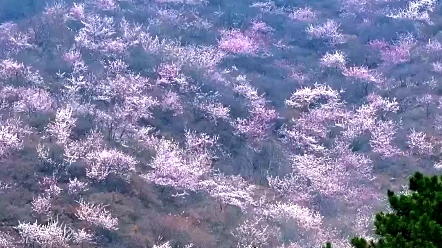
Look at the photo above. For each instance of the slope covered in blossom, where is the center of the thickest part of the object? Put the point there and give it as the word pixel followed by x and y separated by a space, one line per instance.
pixel 212 123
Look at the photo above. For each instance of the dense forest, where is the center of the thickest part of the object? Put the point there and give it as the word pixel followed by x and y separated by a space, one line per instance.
pixel 220 123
